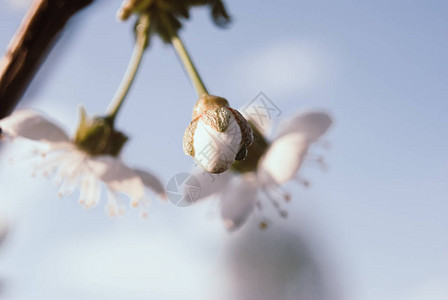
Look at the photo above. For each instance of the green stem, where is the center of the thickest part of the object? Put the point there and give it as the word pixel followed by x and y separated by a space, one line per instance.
pixel 142 36
pixel 186 60
pixel 189 66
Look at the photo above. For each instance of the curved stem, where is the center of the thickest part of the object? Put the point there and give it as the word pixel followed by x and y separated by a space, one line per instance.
pixel 188 65
pixel 142 36
pixel 185 59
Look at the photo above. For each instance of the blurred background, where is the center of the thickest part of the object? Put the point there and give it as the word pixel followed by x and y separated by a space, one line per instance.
pixel 372 227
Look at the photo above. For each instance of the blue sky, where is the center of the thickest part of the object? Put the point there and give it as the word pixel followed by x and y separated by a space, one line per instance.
pixel 379 67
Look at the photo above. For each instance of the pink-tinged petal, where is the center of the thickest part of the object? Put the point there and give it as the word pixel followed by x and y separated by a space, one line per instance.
pixel 283 159
pixel 310 124
pixel 209 183
pixel 31 125
pixel 117 176
pixel 151 182
pixel 237 201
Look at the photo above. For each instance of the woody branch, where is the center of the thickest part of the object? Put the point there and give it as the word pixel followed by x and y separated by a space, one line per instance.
pixel 29 46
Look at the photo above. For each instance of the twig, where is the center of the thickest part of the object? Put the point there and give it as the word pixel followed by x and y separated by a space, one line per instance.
pixel 29 46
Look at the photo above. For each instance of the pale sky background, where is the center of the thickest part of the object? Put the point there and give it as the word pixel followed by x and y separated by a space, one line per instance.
pixel 376 221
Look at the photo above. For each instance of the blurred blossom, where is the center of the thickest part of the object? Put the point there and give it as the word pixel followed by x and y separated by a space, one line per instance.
pixel 266 168
pixel 74 167
pixel 276 264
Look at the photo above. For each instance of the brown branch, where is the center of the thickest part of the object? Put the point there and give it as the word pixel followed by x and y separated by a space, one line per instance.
pixel 29 46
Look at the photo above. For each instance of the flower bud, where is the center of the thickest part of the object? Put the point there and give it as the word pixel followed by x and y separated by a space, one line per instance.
pixel 217 136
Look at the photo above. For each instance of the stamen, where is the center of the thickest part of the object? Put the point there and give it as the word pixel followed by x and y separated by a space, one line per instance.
pixel 325 144
pixel 111 211
pixel 49 164
pixel 84 190
pixel 144 214
pixel 285 196
pixel 264 221
pixel 113 207
pixel 274 201
pixel 304 182
pixel 263 225
pixel 68 170
pixel 319 161
pixel 94 195
pixel 112 204
pixel 322 163
pixel 69 185
pixel 25 156
pixel 134 203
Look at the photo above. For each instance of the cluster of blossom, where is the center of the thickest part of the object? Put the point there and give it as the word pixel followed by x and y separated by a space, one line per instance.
pixel 219 138
pixel 267 167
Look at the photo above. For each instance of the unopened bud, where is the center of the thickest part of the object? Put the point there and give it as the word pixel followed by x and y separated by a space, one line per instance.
pixel 217 136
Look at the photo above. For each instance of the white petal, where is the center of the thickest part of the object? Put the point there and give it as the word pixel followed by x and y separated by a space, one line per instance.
pixel 152 182
pixel 31 125
pixel 209 183
pixel 311 124
pixel 91 191
pixel 286 154
pixel 117 176
pixel 112 207
pixel 238 200
pixel 283 159
pixel 216 151
pixel 68 171
pixel 261 121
